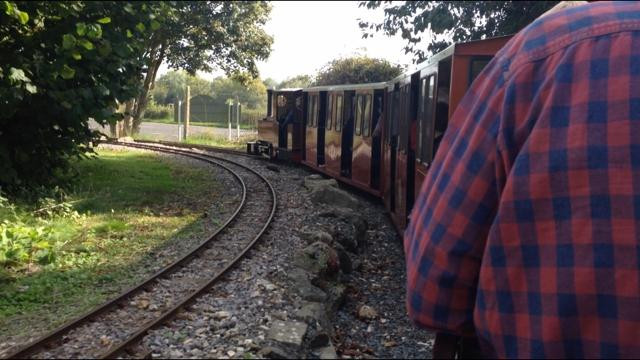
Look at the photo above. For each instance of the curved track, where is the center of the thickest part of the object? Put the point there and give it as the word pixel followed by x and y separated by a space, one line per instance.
pixel 197 146
pixel 184 280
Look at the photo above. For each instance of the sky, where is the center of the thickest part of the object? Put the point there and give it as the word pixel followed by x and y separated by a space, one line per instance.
pixel 309 34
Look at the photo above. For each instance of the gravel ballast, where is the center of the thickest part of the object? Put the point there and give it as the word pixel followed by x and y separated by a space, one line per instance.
pixel 240 318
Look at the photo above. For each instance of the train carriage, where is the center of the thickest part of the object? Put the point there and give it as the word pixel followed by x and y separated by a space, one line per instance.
pixel 332 129
pixel 339 126
pixel 422 102
pixel 281 132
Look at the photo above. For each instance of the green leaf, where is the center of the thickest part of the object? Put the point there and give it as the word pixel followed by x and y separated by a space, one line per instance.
pixel 129 33
pixel 121 50
pixel 23 17
pixel 67 72
pixel 104 48
pixel 68 41
pixel 9 7
pixel 31 88
pixel 16 75
pixel 43 244
pixel 76 55
pixel 81 28
pixel 129 9
pixel 94 31
pixel 104 20
pixel 86 44
pixel 141 27
pixel 155 25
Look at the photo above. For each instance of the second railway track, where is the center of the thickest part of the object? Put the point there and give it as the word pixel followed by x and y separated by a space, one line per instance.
pixel 120 324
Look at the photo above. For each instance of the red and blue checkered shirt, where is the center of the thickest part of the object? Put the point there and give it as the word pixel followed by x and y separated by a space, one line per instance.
pixel 527 229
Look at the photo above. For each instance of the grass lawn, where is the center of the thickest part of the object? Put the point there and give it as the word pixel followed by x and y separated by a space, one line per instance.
pixel 222 124
pixel 127 206
pixel 208 139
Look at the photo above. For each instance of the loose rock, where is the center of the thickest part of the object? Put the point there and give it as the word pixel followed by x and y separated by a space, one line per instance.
pixel 367 312
pixel 311 311
pixel 290 332
pixel 319 259
pixel 315 181
pixel 330 195
pixel 272 352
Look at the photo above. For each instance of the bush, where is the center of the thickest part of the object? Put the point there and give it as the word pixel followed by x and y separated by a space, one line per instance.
pixel 23 242
pixel 357 70
pixel 158 111
pixel 63 63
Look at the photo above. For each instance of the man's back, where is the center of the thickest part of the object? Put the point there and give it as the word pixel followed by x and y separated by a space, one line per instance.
pixel 526 229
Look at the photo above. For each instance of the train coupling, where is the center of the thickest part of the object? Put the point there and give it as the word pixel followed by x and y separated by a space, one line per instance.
pixel 260 147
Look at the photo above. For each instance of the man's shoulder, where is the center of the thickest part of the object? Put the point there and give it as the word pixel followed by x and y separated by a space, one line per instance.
pixel 563 28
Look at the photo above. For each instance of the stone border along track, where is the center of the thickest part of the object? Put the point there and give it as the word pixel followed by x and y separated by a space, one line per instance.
pixel 116 324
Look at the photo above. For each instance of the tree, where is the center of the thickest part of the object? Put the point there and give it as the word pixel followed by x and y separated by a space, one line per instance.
pixel 356 70
pixel 252 94
pixel 172 86
pixel 62 63
pixel 270 83
pixel 298 81
pixel 446 22
pixel 202 35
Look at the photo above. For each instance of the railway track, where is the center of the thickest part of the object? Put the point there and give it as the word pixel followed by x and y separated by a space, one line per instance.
pixel 118 325
pixel 196 146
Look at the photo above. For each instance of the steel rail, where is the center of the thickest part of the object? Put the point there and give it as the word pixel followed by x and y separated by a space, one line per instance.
pixel 195 146
pixel 42 341
pixel 123 346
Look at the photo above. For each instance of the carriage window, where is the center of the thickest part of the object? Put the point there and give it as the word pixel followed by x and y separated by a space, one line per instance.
pixel 309 111
pixel 422 116
pixel 477 65
pixel 394 114
pixel 388 118
pixel 366 121
pixel 358 114
pixel 427 121
pixel 403 117
pixel 338 113
pixel 273 105
pixel 315 111
pixel 329 111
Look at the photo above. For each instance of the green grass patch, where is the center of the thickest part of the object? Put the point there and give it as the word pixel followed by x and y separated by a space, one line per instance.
pixel 219 124
pixel 218 141
pixel 208 139
pixel 60 258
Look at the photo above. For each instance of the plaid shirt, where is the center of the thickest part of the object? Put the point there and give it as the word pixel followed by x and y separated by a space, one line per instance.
pixel 526 231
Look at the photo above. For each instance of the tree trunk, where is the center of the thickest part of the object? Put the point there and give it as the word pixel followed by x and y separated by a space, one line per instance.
pixel 127 122
pixel 155 61
pixel 114 130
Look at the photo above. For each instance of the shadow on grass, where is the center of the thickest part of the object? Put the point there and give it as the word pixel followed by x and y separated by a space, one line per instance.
pixel 142 182
pixel 133 231
pixel 49 298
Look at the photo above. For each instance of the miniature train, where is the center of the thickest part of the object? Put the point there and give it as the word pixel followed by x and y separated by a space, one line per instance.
pixel 378 137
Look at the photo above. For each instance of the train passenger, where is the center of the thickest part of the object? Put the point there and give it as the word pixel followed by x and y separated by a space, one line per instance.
pixel 283 121
pixel 526 233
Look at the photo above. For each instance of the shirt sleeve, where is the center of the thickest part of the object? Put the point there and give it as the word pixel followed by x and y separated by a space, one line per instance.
pixel 454 210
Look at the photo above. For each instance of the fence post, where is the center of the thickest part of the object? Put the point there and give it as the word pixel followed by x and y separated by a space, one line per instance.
pixel 187 111
pixel 229 121
pixel 180 120
pixel 238 120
